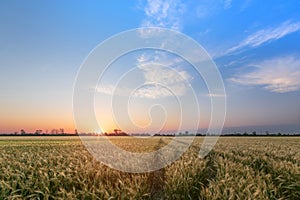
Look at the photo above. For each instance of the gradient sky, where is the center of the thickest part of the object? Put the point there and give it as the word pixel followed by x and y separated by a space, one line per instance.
pixel 255 45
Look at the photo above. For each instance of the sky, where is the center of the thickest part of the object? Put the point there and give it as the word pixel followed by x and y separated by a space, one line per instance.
pixel 254 44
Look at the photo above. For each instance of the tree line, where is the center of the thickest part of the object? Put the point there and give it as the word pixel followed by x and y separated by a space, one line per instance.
pixel 117 132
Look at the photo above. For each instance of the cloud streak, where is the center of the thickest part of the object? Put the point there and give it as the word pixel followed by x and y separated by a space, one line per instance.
pixel 267 35
pixel 279 75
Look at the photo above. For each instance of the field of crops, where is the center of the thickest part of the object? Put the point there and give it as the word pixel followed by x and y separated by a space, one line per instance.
pixel 237 168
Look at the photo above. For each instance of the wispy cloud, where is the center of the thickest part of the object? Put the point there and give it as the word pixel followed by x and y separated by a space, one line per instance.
pixel 246 4
pixel 227 4
pixel 165 14
pixel 162 75
pixel 162 78
pixel 111 90
pixel 215 95
pixel 150 90
pixel 205 8
pixel 159 91
pixel 236 62
pixel 279 75
pixel 267 35
pixel 171 13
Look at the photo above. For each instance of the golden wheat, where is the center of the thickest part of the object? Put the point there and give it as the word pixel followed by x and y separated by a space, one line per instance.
pixel 237 168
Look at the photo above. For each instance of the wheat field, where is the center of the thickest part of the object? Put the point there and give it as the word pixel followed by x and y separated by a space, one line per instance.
pixel 237 168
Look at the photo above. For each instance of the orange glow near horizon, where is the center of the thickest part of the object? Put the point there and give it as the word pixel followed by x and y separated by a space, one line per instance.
pixel 31 125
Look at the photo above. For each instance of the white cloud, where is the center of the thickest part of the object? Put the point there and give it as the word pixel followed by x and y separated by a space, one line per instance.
pixel 267 35
pixel 215 95
pixel 105 89
pixel 279 75
pixel 162 78
pixel 112 90
pixel 159 91
pixel 149 90
pixel 162 74
pixel 165 14
pixel 238 61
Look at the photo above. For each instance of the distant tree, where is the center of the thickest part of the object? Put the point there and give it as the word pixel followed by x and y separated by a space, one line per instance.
pixel 54 131
pixel 254 133
pixel 186 132
pixel 245 133
pixel 279 134
pixel 38 132
pixel 117 131
pixel 267 133
pixel 76 132
pixel 62 131
pixel 23 132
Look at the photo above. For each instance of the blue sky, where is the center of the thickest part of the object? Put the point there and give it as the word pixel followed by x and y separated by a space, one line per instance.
pixel 255 45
